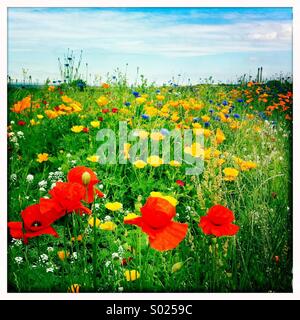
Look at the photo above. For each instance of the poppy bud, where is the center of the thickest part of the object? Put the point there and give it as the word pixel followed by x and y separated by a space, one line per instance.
pixel 177 266
pixel 86 178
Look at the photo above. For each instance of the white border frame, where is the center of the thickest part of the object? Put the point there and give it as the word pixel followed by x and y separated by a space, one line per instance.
pixel 149 296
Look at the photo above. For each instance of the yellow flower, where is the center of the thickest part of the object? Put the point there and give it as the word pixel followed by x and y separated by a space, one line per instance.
pixel 175 117
pixel 207 154
pixel 156 136
pixel 234 125
pixel 62 255
pixel 113 206
pixel 220 161
pixel 238 161
pixel 230 174
pixel 102 101
pixel 175 163
pixel 42 157
pixel 170 199
pixel 155 161
pixel 130 216
pixel 207 133
pixel 131 275
pixel 140 164
pixel 92 220
pixel 108 226
pixel 220 137
pixel 33 122
pixel 74 288
pixel 247 165
pixel 205 118
pixel 77 129
pixel 160 97
pixel 51 88
pixel 195 150
pixel 142 134
pixel 93 158
pixel 40 116
pixel 95 124
pixel 196 125
pixel 51 114
pixel 140 100
pixel 151 111
pixel 66 99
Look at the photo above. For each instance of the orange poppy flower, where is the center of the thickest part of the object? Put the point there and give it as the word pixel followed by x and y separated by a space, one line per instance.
pixel 156 221
pixel 86 177
pixel 20 106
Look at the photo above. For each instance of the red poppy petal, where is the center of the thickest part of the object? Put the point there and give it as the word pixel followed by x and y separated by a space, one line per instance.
pixel 169 237
pixel 16 229
pixel 99 193
pixel 225 230
pixel 49 230
pixel 51 209
pixel 82 210
pixel 138 221
pixel 206 225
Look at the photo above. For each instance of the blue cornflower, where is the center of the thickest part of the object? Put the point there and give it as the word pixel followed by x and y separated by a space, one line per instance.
pixel 240 100
pixel 196 119
pixel 210 101
pixel 136 94
pixel 217 118
pixel 157 91
pixel 224 103
pixel 127 104
pixel 226 116
pixel 236 115
pixel 145 116
pixel 206 124
pixel 211 111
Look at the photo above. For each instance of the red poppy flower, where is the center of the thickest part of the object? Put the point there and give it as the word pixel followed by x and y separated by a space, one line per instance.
pixel 75 175
pixel 218 222
pixel 16 229
pixel 86 130
pixel 156 220
pixel 56 108
pixel 34 222
pixel 21 123
pixel 65 198
pixel 114 110
pixel 180 183
pixel 105 110
pixel 100 118
pixel 44 102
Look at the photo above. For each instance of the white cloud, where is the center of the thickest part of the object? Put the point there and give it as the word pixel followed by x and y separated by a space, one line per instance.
pixel 141 33
pixel 120 33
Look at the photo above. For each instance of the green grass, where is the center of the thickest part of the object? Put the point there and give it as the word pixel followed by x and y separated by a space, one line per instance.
pixel 260 198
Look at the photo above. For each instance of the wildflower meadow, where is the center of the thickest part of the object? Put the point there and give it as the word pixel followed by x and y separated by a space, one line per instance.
pixel 116 187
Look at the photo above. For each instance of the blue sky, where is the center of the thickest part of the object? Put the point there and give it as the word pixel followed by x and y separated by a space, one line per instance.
pixel 163 42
